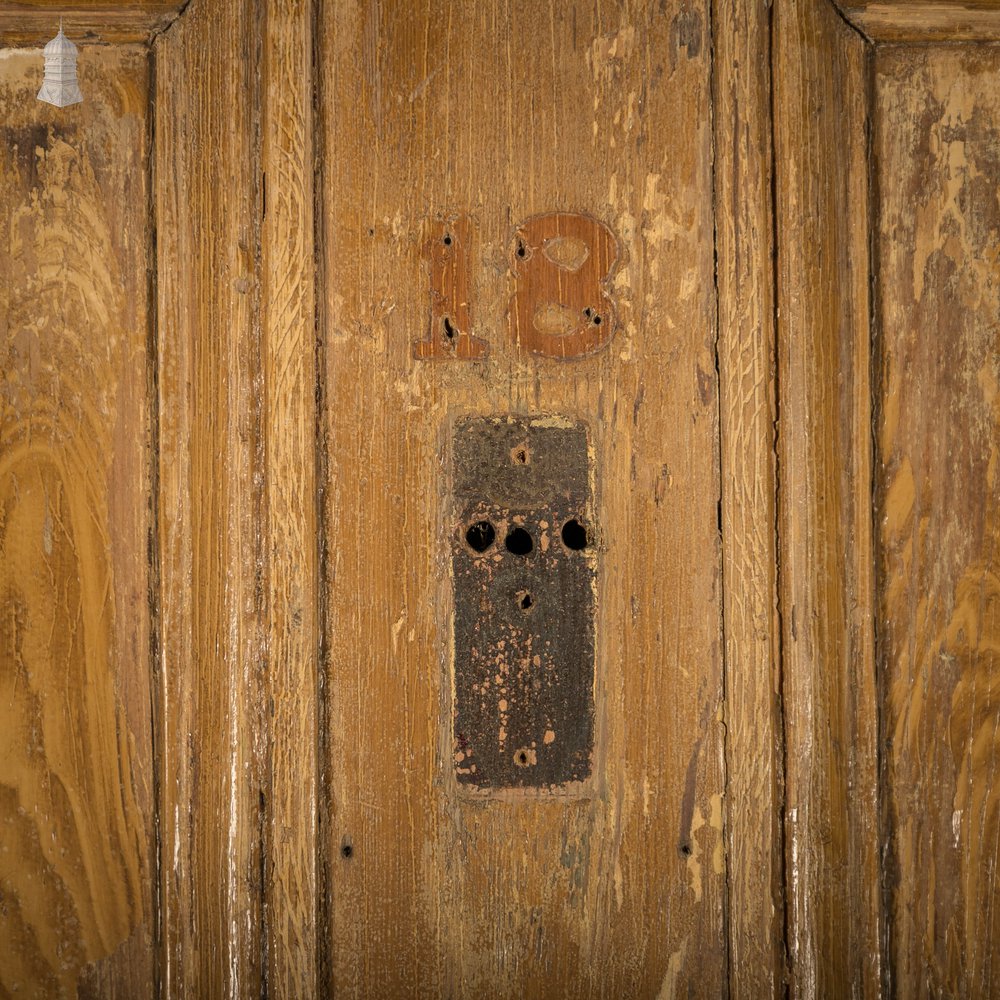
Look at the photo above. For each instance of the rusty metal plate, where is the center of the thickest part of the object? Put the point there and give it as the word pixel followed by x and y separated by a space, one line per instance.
pixel 524 569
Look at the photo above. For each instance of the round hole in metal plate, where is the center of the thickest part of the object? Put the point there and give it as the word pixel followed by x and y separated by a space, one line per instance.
pixel 519 542
pixel 574 535
pixel 480 536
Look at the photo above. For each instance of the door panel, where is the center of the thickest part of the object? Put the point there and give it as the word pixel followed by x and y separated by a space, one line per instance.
pixel 938 510
pixel 499 114
pixel 363 635
pixel 76 785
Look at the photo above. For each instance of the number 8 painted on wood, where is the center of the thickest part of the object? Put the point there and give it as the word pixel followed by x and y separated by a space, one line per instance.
pixel 562 307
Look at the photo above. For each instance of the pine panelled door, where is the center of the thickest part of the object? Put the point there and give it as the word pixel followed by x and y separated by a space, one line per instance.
pixel 501 498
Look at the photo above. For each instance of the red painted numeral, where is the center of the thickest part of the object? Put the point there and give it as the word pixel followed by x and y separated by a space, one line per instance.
pixel 563 263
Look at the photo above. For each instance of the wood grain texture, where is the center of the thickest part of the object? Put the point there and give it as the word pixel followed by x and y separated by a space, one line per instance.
pixel 745 277
pixel 76 796
pixel 212 514
pixel 924 20
pixel 289 354
pixel 938 505
pixel 34 22
pixel 825 530
pixel 506 111
pixel 448 249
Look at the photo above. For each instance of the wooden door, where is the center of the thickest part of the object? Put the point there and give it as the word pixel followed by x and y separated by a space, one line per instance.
pixel 643 353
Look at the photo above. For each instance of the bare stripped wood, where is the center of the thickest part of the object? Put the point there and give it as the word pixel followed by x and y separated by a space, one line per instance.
pixel 925 20
pixel 288 307
pixel 76 796
pixel 825 532
pixel 938 504
pixel 744 244
pixel 212 518
pixel 33 22
pixel 507 111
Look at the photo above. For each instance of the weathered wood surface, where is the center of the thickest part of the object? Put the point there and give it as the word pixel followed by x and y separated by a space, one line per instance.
pixel 938 506
pixel 924 20
pixel 34 22
pixel 825 553
pixel 76 790
pixel 212 516
pixel 289 355
pixel 746 354
pixel 506 111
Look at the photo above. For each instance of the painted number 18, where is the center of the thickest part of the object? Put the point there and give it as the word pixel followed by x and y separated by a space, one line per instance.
pixel 562 265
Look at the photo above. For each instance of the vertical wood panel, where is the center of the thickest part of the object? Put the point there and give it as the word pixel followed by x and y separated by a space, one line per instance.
pixel 938 504
pixel 76 796
pixel 825 531
pixel 290 373
pixel 745 276
pixel 505 110
pixel 211 502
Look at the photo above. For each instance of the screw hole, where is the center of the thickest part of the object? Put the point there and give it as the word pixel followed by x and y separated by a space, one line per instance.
pixel 574 535
pixel 519 542
pixel 480 536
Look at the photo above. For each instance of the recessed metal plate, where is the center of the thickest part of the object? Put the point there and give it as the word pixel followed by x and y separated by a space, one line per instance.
pixel 524 566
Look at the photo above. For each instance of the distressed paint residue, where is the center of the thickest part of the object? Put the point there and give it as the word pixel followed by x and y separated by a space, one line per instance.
pixel 693 851
pixel 671 979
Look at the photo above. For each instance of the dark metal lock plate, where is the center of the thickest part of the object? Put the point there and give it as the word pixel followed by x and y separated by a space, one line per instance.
pixel 524 564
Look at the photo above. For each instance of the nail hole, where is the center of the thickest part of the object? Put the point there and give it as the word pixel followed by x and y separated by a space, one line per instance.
pixel 519 542
pixel 480 535
pixel 525 757
pixel 520 455
pixel 346 851
pixel 597 321
pixel 686 850
pixel 524 600
pixel 574 535
pixel 447 240
pixel 449 330
pixel 522 250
